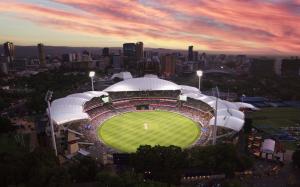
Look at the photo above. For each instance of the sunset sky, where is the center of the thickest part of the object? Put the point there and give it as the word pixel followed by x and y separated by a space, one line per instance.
pixel 243 26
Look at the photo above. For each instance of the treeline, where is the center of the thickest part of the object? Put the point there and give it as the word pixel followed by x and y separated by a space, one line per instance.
pixel 42 168
pixel 149 166
pixel 169 164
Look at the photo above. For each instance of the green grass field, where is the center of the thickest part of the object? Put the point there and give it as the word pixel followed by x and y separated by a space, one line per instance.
pixel 126 132
pixel 276 117
pixel 271 119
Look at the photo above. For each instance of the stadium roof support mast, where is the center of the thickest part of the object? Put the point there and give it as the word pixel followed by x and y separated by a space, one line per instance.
pixel 199 74
pixel 48 97
pixel 217 95
pixel 92 75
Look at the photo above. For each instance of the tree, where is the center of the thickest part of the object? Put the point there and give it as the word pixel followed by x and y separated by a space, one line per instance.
pixel 3 104
pixel 296 158
pixel 38 168
pixel 126 179
pixel 84 171
pixel 248 125
pixel 160 163
pixel 232 183
pixel 12 169
pixel 5 125
pixel 43 169
pixel 221 158
pixel 107 179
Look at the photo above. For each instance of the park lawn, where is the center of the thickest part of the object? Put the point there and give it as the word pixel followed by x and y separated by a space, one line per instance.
pixel 126 132
pixel 271 119
pixel 276 117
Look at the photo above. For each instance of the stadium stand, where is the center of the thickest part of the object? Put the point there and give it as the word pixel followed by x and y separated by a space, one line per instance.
pixel 156 94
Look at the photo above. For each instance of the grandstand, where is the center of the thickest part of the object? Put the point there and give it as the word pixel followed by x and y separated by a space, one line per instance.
pixel 145 94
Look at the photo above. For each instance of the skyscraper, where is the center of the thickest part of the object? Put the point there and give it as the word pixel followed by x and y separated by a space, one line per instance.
pixel 168 65
pixel 41 52
pixel 139 50
pixel 129 49
pixel 9 51
pixel 105 51
pixel 195 56
pixel 190 53
pixel 3 65
pixel 117 62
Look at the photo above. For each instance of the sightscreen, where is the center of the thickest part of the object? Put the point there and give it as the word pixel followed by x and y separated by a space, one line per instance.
pixel 182 97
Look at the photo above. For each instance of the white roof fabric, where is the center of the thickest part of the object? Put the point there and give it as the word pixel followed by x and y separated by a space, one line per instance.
pixel 70 108
pixel 188 89
pixel 268 146
pixel 150 76
pixel 122 75
pixel 228 113
pixel 142 84
pixel 245 105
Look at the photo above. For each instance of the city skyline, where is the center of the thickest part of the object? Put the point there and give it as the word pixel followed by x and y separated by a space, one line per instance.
pixel 228 26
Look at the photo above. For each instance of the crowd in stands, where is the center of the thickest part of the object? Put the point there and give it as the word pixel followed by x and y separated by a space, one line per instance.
pixel 139 101
pixel 198 104
pixel 123 102
pixel 98 111
pixel 93 103
pixel 144 94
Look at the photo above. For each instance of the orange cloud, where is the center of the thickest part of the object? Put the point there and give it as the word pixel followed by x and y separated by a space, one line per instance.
pixel 228 25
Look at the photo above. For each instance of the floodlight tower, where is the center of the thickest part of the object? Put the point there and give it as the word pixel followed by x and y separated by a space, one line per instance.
pixel 92 75
pixel 243 96
pixel 199 74
pixel 48 98
pixel 217 95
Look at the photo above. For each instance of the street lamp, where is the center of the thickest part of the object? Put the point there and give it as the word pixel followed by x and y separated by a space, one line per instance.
pixel 48 98
pixel 92 74
pixel 199 74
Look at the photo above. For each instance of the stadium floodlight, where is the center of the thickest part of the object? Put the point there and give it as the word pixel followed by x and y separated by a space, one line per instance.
pixel 199 74
pixel 92 75
pixel 217 95
pixel 48 98
pixel 243 96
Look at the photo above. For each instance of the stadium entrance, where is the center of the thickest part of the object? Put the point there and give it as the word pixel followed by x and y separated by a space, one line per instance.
pixel 142 107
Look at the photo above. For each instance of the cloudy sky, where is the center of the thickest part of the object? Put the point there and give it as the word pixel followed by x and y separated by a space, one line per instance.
pixel 243 26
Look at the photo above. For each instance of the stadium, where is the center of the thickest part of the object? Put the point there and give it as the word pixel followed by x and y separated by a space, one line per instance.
pixel 142 111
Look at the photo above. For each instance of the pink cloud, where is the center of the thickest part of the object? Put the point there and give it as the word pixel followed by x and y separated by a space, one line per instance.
pixel 227 25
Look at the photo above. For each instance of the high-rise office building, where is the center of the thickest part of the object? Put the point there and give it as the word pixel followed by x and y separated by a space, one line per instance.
pixel 105 51
pixel 168 65
pixel 290 67
pixel 129 49
pixel 195 56
pixel 139 50
pixel 4 68
pixel 86 56
pixel 190 53
pixel 69 57
pixel 9 51
pixel 41 52
pixel 3 65
pixel 117 62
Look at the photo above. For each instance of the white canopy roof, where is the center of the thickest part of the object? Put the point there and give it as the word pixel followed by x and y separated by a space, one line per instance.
pixel 122 75
pixel 245 105
pixel 188 89
pixel 228 113
pixel 150 76
pixel 70 108
pixel 142 84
